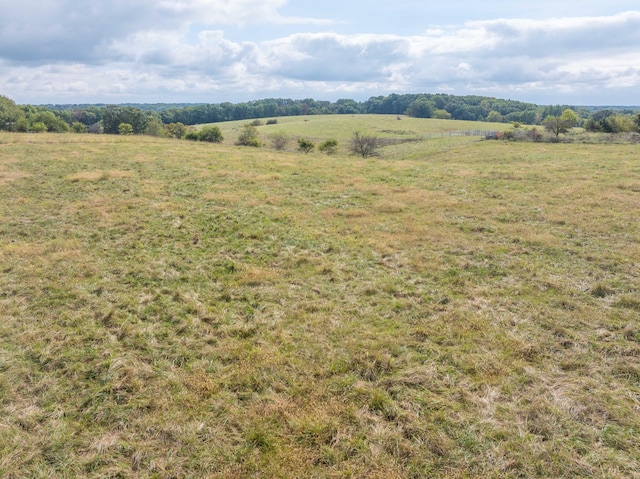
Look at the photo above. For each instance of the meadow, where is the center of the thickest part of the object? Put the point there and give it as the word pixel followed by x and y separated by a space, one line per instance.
pixel 341 127
pixel 452 308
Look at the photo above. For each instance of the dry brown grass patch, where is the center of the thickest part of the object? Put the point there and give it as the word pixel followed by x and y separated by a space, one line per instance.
pixel 344 213
pixel 256 276
pixel 6 176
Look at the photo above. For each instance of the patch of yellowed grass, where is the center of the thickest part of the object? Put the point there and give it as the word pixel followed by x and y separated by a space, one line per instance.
pixel 344 213
pixel 6 176
pixel 390 207
pixel 256 276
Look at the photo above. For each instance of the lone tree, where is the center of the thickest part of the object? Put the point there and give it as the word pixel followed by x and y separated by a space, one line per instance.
pixel 556 125
pixel 363 146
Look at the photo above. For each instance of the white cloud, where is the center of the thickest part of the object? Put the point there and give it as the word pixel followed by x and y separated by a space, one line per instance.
pixel 67 30
pixel 145 49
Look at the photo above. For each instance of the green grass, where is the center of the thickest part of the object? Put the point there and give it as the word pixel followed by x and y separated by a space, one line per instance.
pixel 342 127
pixel 453 308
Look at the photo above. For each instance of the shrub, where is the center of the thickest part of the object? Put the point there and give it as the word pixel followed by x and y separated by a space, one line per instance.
pixel 22 124
pixel 442 115
pixel 96 128
pixel 329 146
pixel 248 136
pixel 273 121
pixel 279 140
pixel 79 127
pixel 59 126
pixel 155 128
pixel 305 145
pixel 39 127
pixel 125 129
pixel 211 134
pixel 535 135
pixel 256 122
pixel 176 130
pixel 522 134
pixel 363 146
pixel 508 135
pixel 192 136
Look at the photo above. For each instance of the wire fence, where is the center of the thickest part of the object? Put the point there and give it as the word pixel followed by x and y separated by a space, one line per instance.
pixel 488 134
pixel 445 134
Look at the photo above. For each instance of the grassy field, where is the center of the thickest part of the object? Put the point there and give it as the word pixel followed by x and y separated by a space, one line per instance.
pixel 342 127
pixel 453 308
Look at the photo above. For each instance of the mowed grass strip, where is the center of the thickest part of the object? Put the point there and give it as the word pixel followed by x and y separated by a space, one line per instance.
pixel 454 308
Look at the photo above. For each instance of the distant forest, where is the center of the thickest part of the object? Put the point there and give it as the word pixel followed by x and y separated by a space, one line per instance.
pixel 106 118
pixel 417 105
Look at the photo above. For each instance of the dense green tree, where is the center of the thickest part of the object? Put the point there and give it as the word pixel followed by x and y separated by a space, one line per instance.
pixel 125 129
pixel 155 128
pixel 420 108
pixel 611 121
pixel 38 127
pixel 442 115
pixel 495 117
pixel 113 116
pixel 619 123
pixel 53 122
pixel 347 107
pixel 10 113
pixel 22 124
pixel 78 127
pixel 176 130
pixel 569 116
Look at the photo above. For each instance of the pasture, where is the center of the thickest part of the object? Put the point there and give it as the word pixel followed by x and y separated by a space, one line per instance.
pixel 452 308
pixel 341 127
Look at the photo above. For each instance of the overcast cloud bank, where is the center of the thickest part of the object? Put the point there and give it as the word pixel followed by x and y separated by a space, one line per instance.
pixel 182 51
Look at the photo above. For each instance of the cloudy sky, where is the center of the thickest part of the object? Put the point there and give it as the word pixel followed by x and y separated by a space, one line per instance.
pixel 146 51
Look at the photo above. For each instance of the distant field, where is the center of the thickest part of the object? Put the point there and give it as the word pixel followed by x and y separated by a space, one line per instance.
pixel 342 127
pixel 455 308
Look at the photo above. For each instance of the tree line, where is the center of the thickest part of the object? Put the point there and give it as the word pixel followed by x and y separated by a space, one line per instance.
pixel 150 118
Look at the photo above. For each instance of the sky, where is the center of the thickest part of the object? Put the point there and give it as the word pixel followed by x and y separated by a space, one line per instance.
pixel 213 51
